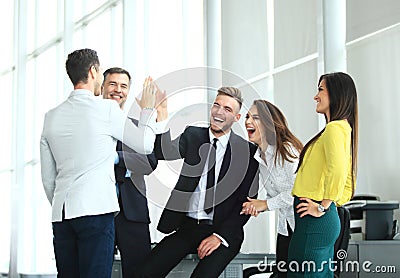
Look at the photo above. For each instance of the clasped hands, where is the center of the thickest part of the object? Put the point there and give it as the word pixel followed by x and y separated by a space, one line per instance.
pixel 307 207
pixel 253 207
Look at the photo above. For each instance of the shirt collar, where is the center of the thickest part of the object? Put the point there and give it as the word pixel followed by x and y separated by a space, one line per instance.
pixel 223 140
pixel 81 92
pixel 269 154
pixel 270 150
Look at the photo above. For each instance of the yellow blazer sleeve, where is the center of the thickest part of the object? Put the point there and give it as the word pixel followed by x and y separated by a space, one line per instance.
pixel 336 148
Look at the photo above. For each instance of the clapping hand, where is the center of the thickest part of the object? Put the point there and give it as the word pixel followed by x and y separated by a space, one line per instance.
pixel 161 104
pixel 148 98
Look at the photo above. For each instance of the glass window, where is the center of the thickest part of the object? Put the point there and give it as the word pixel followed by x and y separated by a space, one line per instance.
pixel 170 37
pixel 236 38
pixel 300 31
pixel 46 12
pixel 109 44
pixel 37 237
pixel 5 219
pixel 368 16
pixel 6 123
pixel 7 35
pixel 30 99
pixel 30 26
pixel 168 46
pixel 82 8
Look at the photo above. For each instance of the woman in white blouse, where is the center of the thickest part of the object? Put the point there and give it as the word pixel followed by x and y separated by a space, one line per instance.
pixel 278 152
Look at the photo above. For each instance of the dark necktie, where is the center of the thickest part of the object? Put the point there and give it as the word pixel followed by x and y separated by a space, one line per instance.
pixel 209 200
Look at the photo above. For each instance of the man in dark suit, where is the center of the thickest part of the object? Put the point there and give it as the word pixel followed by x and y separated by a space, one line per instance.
pixel 203 211
pixel 132 235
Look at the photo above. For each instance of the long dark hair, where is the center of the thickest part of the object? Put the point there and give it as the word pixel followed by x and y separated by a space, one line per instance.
pixel 342 105
pixel 277 131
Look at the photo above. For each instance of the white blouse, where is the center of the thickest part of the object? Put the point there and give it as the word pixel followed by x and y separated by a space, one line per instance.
pixel 278 182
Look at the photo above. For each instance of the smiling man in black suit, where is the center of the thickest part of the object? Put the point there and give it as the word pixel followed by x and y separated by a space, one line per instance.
pixel 132 234
pixel 203 211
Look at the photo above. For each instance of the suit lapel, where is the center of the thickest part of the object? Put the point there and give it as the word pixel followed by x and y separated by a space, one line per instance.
pixel 119 145
pixel 200 152
pixel 226 162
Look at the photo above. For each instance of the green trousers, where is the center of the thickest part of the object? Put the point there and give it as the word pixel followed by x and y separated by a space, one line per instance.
pixel 312 245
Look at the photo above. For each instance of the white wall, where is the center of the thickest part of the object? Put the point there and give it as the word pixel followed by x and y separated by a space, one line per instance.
pixel 375 65
pixel 289 78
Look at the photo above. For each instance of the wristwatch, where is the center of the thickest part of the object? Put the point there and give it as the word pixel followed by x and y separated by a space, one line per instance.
pixel 322 209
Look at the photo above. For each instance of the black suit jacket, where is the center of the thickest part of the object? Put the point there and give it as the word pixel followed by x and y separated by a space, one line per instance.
pixel 133 202
pixel 238 178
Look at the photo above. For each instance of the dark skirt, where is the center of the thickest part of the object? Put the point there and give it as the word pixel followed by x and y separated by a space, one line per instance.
pixel 312 245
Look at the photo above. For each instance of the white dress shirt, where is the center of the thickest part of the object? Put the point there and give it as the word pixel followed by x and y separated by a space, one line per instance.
pixel 77 150
pixel 278 181
pixel 196 202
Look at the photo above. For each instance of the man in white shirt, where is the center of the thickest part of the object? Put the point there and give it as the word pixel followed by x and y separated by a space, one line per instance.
pixel 77 151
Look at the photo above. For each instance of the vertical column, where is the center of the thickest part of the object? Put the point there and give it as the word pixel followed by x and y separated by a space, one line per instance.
pixel 185 30
pixel 332 39
pixel 68 37
pixel 334 35
pixel 129 49
pixel 213 32
pixel 212 19
pixel 19 107
pixel 270 78
pixel 134 44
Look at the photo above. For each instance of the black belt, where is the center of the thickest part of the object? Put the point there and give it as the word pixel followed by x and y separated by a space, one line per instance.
pixel 199 221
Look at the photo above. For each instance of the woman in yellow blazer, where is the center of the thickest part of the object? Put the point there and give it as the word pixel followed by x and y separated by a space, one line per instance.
pixel 325 179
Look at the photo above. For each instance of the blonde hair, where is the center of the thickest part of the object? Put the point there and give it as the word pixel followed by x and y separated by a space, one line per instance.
pixel 232 92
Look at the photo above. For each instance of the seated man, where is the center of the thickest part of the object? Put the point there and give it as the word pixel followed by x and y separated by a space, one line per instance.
pixel 203 211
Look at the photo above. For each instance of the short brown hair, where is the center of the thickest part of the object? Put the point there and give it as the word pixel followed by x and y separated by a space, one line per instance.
pixel 79 63
pixel 232 92
pixel 118 71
